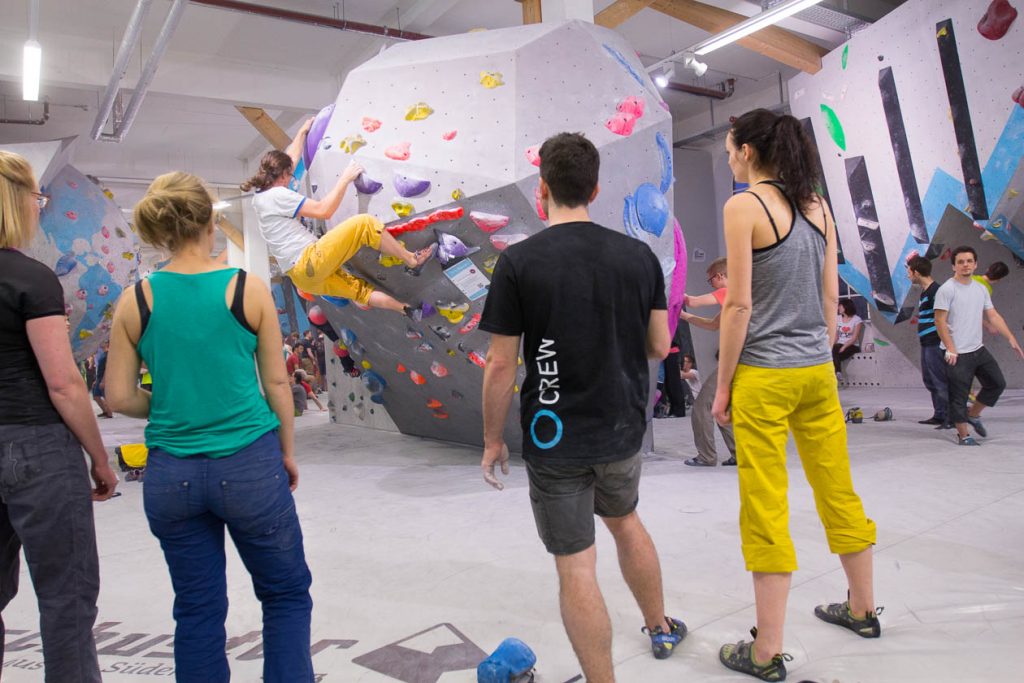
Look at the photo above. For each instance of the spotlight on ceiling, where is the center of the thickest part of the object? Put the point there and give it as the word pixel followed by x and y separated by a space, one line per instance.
pixel 665 75
pixel 690 61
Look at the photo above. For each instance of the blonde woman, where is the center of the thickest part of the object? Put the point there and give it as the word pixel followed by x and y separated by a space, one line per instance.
pixel 220 455
pixel 45 422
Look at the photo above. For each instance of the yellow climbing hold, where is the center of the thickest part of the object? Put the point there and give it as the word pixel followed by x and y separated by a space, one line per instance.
pixel 491 79
pixel 366 365
pixel 998 223
pixel 352 143
pixel 391 261
pixel 453 314
pixel 128 255
pixel 519 361
pixel 84 334
pixel 457 195
pixel 418 112
pixel 942 32
pixel 988 237
pixel 1012 192
pixel 402 209
pixel 490 262
pixel 515 388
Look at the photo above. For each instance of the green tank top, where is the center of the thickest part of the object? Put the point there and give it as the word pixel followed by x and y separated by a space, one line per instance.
pixel 206 393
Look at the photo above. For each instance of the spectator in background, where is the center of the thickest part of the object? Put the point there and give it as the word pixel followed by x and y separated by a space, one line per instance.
pixel 294 361
pixel 299 393
pixel 45 422
pixel 850 331
pixel 320 352
pixel 99 385
pixel 689 374
pixel 997 270
pixel 303 379
pixel 933 367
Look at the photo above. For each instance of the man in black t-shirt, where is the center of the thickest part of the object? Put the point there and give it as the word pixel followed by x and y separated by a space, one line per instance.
pixel 933 366
pixel 581 296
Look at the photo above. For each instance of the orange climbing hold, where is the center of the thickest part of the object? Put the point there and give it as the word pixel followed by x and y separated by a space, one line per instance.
pixel 434 403
pixel 417 378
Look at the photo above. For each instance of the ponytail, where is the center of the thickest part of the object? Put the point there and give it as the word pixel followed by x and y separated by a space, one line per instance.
pixel 176 211
pixel 783 146
pixel 273 165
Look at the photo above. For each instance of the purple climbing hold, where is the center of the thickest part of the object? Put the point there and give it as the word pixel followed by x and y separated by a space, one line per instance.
pixel 408 186
pixel 367 185
pixel 678 289
pixel 316 134
pixel 450 247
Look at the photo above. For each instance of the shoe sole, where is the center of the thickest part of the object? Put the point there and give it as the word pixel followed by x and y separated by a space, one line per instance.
pixel 828 619
pixel 697 464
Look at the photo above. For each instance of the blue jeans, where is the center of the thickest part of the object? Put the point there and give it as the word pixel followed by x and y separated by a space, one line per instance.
pixel 188 503
pixel 933 373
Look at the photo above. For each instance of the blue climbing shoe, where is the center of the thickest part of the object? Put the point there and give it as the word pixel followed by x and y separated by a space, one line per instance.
pixel 664 644
pixel 978 426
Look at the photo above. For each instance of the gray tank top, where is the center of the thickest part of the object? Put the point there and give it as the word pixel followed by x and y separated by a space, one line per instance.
pixel 787 323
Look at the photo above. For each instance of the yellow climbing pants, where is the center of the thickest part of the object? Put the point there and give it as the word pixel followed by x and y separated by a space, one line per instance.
pixel 767 405
pixel 318 270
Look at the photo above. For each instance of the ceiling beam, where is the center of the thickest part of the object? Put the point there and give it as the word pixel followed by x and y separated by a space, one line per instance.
pixel 267 126
pixel 774 42
pixel 620 11
pixel 531 11
pixel 231 232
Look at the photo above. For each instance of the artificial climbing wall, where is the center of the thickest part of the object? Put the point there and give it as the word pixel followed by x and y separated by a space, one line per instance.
pixel 85 239
pixel 448 131
pixel 919 113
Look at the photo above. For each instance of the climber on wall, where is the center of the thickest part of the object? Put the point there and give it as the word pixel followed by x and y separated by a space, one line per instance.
pixel 315 265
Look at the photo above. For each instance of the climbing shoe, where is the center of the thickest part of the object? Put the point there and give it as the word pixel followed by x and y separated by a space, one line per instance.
pixel 697 462
pixel 740 657
pixel 966 441
pixel 978 426
pixel 731 462
pixel 855 415
pixel 663 644
pixel 838 613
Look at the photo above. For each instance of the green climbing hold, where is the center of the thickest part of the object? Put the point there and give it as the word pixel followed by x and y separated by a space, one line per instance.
pixel 352 396
pixel 846 55
pixel 880 342
pixel 835 129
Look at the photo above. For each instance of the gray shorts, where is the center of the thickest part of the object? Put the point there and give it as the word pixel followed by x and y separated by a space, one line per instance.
pixel 565 498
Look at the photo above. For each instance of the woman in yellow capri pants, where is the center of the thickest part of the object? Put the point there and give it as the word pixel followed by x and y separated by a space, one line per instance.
pixel 775 377
pixel 315 265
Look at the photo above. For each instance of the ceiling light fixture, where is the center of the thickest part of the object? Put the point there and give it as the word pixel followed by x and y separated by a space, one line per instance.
pixel 32 57
pixel 690 61
pixel 752 25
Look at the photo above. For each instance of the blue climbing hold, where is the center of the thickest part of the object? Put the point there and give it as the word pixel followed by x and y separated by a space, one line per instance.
pixel 512 659
pixel 666 162
pixel 373 382
pixel 347 336
pixel 651 209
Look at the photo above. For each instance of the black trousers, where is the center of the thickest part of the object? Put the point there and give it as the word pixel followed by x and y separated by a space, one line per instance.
pixel 674 386
pixel 959 377
pixel 839 356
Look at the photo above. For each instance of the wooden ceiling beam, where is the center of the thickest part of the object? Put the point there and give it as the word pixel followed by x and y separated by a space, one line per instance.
pixel 267 126
pixel 620 11
pixel 531 11
pixel 774 42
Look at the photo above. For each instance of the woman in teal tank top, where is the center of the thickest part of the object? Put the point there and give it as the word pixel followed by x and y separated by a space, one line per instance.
pixel 220 436
pixel 775 378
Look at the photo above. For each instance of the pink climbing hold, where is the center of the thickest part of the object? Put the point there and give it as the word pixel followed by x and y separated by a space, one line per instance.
pixel 449 135
pixel 488 222
pixel 632 107
pixel 370 124
pixel 503 242
pixel 476 359
pixel 438 370
pixel 417 378
pixel 471 325
pixel 541 213
pixel 620 124
pixel 316 315
pixel 533 154
pixel 399 152
pixel 105 232
pixel 1018 96
pixel 71 215
pixel 997 19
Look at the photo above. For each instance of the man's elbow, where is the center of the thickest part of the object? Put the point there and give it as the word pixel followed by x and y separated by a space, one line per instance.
pixel 658 350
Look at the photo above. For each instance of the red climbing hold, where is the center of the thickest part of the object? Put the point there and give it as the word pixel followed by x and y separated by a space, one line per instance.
pixel 316 315
pixel 1018 96
pixel 997 19
pixel 304 295
pixel 417 378
pixel 477 359
pixel 417 224
pixel 471 325
pixel 620 124
pixel 632 107
pixel 434 403
pixel 440 415
pixel 400 368
pixel 540 207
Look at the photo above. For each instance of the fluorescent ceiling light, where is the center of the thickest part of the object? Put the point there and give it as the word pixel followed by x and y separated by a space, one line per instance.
pixel 661 79
pixel 752 25
pixel 31 67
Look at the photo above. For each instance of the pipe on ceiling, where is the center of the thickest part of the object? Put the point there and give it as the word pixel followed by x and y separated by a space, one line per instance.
pixel 724 91
pixel 124 54
pixel 33 122
pixel 312 19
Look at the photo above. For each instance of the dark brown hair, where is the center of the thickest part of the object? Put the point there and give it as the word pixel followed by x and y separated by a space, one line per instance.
pixel 782 147
pixel 569 164
pixel 273 165
pixel 920 265
pixel 848 307
pixel 997 271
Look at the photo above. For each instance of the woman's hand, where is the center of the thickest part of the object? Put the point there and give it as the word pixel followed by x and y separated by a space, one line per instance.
pixel 351 172
pixel 293 472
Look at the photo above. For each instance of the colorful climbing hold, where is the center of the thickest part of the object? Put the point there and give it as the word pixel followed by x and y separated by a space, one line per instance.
pixel 316 134
pixel 620 124
pixel 425 347
pixel 490 262
pixel 665 151
pixel 402 209
pixel 340 351
pixel 399 152
pixel 491 79
pixel 65 264
pixel 449 135
pixel 417 378
pixel 503 242
pixel 420 222
pixel 418 111
pixel 881 342
pixel 651 209
pixel 400 368
pixel 997 19
pixel 450 247
pixel 438 370
pixel 366 365
pixel 533 154
pixel 441 331
pixel 834 127
pixel 411 333
pixel 474 320
pixel 452 312
pixel 476 359
pixel 316 315
pixel 409 186
pixel 541 213
pixel 348 336
pixel 457 194
pixel 367 185
pixel 304 295
pixel 451 352
pixel 440 415
pixel 1018 96
pixel 370 124
pixel 434 403
pixel 488 222
pixel 846 55
pixel 336 300
pixel 631 106
pixel 351 144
